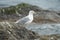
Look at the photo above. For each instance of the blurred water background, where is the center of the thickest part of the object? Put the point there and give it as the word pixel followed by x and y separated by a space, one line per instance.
pixel 45 4
pixel 45 29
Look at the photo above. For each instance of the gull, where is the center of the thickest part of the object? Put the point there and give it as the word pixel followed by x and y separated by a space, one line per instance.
pixel 26 20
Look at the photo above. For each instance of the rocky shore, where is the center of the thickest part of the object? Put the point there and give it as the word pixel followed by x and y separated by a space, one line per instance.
pixel 12 31
pixel 14 13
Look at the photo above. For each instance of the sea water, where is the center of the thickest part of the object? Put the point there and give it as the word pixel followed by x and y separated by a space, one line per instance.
pixel 46 4
pixel 45 29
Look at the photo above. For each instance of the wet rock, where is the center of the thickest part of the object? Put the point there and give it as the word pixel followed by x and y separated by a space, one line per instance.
pixel 3 35
pixel 50 37
pixel 9 13
pixel 47 17
pixel 42 16
pixel 11 31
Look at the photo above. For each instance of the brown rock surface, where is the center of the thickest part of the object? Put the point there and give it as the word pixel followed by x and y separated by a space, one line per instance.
pixel 47 17
pixel 11 31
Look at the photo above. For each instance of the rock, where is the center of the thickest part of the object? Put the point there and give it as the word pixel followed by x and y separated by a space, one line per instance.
pixel 12 31
pixel 47 17
pixel 50 37
pixel 3 35
pixel 42 16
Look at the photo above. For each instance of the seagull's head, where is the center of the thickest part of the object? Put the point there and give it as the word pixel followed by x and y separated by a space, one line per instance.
pixel 32 12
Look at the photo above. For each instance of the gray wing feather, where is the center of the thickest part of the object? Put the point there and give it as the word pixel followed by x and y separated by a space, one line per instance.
pixel 24 20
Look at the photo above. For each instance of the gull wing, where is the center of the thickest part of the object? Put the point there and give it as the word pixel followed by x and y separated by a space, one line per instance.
pixel 23 20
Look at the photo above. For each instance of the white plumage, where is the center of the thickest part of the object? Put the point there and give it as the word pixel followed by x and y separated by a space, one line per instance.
pixel 26 20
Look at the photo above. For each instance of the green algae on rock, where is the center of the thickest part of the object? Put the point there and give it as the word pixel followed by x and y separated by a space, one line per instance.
pixel 12 9
pixel 43 15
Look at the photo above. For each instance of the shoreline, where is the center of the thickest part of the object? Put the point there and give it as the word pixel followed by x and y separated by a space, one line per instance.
pixel 11 31
pixel 10 13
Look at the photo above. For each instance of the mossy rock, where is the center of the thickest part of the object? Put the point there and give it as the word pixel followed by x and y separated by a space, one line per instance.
pixel 23 6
